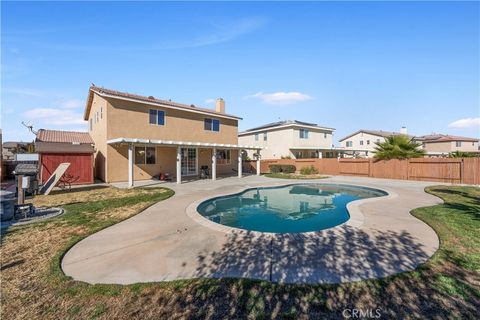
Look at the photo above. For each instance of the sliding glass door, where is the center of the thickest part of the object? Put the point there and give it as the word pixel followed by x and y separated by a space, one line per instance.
pixel 189 162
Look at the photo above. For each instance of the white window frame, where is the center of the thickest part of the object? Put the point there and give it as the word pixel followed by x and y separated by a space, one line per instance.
pixel 256 136
pixel 458 144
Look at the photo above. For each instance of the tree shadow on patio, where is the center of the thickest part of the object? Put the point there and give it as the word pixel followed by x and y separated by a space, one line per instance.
pixel 327 256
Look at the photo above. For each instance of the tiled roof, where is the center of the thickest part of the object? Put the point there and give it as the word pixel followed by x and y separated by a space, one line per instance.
pixel 63 136
pixel 443 138
pixel 151 99
pixel 379 133
pixel 284 123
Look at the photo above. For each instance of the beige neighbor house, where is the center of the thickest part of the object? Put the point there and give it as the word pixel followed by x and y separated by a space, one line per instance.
pixel 140 138
pixel 442 144
pixel 362 143
pixel 290 138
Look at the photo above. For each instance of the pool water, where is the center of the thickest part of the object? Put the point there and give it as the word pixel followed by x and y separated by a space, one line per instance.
pixel 286 209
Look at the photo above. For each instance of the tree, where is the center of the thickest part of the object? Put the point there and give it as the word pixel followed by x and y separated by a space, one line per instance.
pixel 462 154
pixel 398 147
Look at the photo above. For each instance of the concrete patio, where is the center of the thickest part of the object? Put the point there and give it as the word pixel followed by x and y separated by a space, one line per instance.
pixel 169 241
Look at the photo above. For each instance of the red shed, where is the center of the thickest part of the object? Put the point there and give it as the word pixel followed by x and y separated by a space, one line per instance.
pixel 55 147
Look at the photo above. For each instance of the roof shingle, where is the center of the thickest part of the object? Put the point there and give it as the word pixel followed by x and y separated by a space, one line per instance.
pixel 151 99
pixel 44 135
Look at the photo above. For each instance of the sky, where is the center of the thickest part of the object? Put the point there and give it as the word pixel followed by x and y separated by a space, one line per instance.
pixel 346 65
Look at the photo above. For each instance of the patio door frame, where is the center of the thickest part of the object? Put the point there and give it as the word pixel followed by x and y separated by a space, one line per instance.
pixel 186 168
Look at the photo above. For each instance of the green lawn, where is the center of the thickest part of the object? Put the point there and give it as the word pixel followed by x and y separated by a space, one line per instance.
pixel 33 285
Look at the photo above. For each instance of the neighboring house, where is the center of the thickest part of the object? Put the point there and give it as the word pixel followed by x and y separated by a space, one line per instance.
pixel 11 148
pixel 76 148
pixel 442 144
pixel 139 137
pixel 290 138
pixel 362 143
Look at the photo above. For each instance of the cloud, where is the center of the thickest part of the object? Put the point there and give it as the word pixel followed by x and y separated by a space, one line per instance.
pixel 465 123
pixel 72 104
pixel 281 97
pixel 54 116
pixel 215 32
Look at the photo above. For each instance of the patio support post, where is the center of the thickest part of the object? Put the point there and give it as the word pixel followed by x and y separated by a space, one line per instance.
pixel 319 154
pixel 258 162
pixel 214 164
pixel 239 163
pixel 179 165
pixel 130 165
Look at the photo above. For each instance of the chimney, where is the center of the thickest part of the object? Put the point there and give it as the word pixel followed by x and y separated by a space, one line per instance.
pixel 220 105
pixel 403 130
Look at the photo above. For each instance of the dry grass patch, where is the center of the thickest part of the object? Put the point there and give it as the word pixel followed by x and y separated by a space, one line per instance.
pixel 33 286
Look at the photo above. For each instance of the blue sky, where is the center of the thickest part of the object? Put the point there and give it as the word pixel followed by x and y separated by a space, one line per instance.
pixel 370 65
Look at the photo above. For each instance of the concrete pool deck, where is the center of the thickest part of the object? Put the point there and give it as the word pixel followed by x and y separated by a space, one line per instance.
pixel 169 241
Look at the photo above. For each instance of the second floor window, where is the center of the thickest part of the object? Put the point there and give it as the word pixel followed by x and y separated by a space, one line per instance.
pixel 211 124
pixel 349 143
pixel 368 141
pixel 157 117
pixel 324 135
pixel 264 136
pixel 256 136
pixel 458 144
pixel 361 142
pixel 303 134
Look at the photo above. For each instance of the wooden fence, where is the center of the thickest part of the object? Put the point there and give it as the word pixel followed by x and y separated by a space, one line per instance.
pixel 451 170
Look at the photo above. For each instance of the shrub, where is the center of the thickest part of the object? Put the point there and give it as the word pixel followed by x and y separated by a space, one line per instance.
pixel 281 168
pixel 286 157
pixel 309 170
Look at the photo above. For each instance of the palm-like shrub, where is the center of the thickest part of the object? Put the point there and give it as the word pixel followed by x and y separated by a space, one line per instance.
pixel 398 147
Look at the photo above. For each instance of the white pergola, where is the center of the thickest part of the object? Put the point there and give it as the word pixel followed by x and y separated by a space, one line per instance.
pixel 131 142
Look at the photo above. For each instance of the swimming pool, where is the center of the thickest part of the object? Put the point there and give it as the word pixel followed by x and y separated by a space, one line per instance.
pixel 286 209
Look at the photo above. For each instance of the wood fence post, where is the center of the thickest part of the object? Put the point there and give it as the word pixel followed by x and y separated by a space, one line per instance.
pixel 408 169
pixel 462 168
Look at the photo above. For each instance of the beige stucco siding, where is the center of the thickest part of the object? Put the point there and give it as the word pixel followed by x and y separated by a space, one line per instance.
pixel 281 142
pixel 114 118
pixel 131 120
pixel 368 140
pixel 450 146
pixel 98 132
pixel 165 163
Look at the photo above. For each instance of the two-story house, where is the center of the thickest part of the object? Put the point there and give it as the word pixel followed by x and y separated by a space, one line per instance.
pixel 362 143
pixel 139 137
pixel 290 138
pixel 443 144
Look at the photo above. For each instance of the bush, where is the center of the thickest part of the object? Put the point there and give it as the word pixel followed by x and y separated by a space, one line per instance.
pixel 281 168
pixel 286 157
pixel 309 170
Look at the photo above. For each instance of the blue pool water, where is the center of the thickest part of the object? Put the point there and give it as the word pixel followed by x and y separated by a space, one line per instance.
pixel 286 209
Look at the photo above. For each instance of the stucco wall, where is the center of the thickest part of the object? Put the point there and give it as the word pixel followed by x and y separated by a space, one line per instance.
pixel 280 141
pixel 165 163
pixel 99 134
pixel 131 120
pixel 450 146
pixel 118 118
pixel 369 141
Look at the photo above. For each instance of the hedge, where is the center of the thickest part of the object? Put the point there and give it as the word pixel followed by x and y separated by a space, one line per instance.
pixel 282 168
